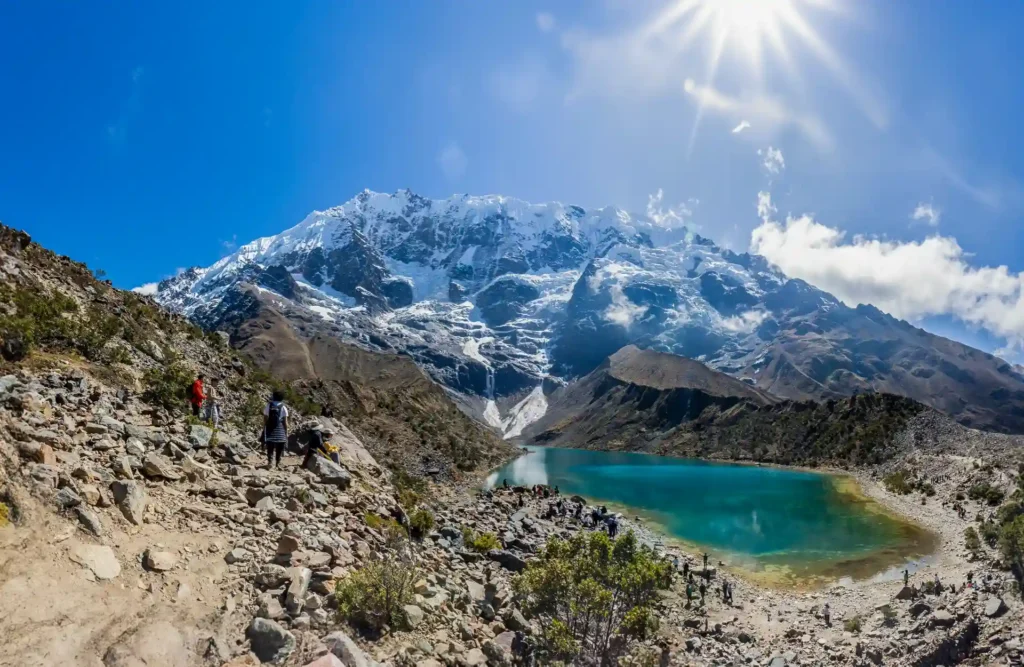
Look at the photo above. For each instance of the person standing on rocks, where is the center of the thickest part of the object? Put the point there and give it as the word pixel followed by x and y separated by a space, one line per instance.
pixel 211 405
pixel 703 590
pixel 906 577
pixel 827 614
pixel 275 428
pixel 197 396
pixel 320 445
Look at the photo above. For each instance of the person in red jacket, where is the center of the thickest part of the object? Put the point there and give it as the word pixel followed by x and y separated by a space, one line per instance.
pixel 197 396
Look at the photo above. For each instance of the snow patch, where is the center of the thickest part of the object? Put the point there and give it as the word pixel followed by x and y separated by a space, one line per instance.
pixel 526 412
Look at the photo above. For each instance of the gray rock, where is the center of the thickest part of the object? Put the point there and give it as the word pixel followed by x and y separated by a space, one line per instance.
pixel 131 500
pixel 265 503
pixel 89 520
pixel 269 641
pixel 342 646
pixel 777 661
pixel 330 472
pixel 943 619
pixel 66 498
pixel 199 436
pixel 238 555
pixel 270 607
pixel 995 607
pixel 271 576
pixel 413 616
pixel 693 644
pixel 298 586
pixel 100 560
pixel 508 560
pixel 514 620
pixel 159 561
pixel 157 466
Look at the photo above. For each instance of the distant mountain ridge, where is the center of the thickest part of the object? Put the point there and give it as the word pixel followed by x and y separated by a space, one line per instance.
pixel 502 301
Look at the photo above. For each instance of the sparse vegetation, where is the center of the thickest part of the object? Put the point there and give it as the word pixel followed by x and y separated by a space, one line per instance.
pixel 853 624
pixel 1011 546
pixel 421 522
pixel 483 542
pixel 167 386
pixel 898 482
pixel 985 492
pixel 371 598
pixel 5 514
pixel 971 541
pixel 594 596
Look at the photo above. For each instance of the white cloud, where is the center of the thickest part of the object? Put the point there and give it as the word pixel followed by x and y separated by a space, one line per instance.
pixel 928 213
pixel 545 22
pixel 744 322
pixel 452 161
pixel 149 289
pixel 673 217
pixel 772 160
pixel 622 311
pixel 230 245
pixel 765 207
pixel 742 126
pixel 771 114
pixel 909 280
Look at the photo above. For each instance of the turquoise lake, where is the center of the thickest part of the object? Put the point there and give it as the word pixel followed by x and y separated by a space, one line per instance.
pixel 792 523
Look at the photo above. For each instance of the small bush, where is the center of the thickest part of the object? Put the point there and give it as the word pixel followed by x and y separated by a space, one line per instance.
pixel 1011 543
pixel 972 541
pixel 421 522
pixel 990 533
pixel 889 615
pixel 5 514
pixel 408 498
pixel 594 597
pixel 167 386
pixel 985 492
pixel 371 599
pixel 484 542
pixel 898 482
pixel 853 625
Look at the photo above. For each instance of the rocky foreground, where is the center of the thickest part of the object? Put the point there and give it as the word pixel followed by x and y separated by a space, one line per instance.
pixel 133 541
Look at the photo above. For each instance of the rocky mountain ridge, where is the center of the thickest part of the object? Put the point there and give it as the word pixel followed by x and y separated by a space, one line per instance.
pixel 501 301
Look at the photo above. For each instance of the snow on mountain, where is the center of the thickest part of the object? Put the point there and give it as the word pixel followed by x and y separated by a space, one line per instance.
pixel 492 295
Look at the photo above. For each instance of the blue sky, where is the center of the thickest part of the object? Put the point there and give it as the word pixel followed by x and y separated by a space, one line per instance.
pixel 141 137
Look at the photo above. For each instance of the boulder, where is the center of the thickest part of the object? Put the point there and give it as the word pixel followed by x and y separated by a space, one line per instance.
pixel 906 593
pixel 98 559
pixel 330 472
pixel 298 585
pixel 995 607
pixel 131 500
pixel 943 619
pixel 507 560
pixel 66 498
pixel 159 561
pixel 288 544
pixel 514 620
pixel 269 641
pixel 329 660
pixel 158 466
pixel 341 645
pixel 237 555
pixel 413 616
pixel 89 520
pixel 199 436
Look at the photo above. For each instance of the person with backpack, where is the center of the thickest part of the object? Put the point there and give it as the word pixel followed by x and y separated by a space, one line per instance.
pixel 275 428
pixel 211 406
pixel 196 395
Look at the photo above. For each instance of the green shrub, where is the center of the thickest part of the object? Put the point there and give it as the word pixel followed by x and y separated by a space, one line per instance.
pixel 990 533
pixel 898 482
pixel 421 522
pixel 889 615
pixel 5 514
pixel 408 498
pixel 371 599
pixel 972 541
pixel 853 625
pixel 484 542
pixel 589 590
pixel 168 386
pixel 37 320
pixel 1011 543
pixel 985 492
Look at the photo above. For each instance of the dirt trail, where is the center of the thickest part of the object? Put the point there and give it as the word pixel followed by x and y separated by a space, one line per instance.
pixel 54 611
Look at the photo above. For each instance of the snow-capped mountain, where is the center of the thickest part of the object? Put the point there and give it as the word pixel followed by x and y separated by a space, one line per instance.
pixel 493 296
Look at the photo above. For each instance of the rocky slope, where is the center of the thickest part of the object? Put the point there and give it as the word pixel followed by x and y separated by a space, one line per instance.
pixel 501 300
pixel 640 400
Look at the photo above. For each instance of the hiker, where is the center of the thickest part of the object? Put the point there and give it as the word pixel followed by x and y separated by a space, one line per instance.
pixel 211 406
pixel 196 395
pixel 686 569
pixel 705 560
pixel 906 577
pixel 320 445
pixel 504 483
pixel 689 594
pixel 725 591
pixel 827 613
pixel 703 589
pixel 613 527
pixel 275 428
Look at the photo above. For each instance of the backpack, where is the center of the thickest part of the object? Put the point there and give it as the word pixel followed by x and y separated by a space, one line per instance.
pixel 274 416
